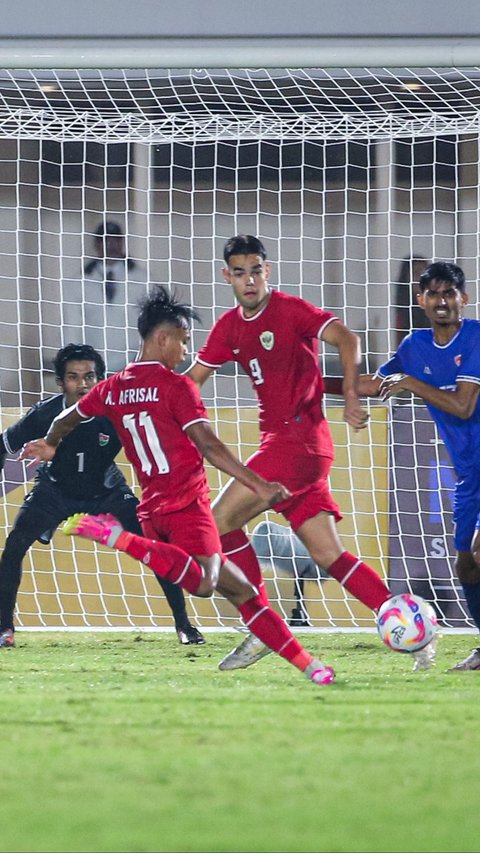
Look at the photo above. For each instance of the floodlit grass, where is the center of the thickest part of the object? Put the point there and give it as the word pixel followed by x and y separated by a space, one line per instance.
pixel 129 742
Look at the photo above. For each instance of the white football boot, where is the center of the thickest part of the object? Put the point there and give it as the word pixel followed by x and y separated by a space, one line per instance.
pixel 425 658
pixel 247 653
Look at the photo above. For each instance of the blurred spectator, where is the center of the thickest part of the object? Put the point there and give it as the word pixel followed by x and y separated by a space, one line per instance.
pixel 407 314
pixel 111 310
pixel 103 311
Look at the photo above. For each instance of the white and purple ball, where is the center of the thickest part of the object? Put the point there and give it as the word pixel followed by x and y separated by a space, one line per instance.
pixel 406 623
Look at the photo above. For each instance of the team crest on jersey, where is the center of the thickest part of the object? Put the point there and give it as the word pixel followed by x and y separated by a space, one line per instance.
pixel 458 360
pixel 103 439
pixel 267 340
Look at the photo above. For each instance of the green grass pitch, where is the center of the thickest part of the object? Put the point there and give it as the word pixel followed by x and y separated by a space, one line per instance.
pixel 130 742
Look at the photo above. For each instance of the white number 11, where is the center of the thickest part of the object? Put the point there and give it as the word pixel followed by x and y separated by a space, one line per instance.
pixel 152 442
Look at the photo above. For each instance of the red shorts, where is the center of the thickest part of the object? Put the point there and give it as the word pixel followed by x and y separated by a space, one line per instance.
pixel 192 528
pixel 302 469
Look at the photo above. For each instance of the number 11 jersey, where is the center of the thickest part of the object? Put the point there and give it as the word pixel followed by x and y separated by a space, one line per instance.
pixel 150 407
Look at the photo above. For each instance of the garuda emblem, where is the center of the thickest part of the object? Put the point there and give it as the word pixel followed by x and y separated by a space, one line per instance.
pixel 267 340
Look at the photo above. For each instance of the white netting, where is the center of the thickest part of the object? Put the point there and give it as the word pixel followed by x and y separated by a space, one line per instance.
pixel 346 175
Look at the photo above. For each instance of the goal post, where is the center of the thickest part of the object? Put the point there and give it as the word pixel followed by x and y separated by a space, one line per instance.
pixel 351 177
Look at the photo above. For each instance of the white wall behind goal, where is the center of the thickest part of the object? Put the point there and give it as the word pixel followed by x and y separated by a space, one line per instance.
pixel 114 18
pixel 336 248
pixel 62 33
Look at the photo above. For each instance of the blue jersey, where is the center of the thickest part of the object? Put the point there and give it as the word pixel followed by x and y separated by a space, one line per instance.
pixel 443 365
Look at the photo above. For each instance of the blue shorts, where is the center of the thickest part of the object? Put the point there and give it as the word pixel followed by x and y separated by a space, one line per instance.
pixel 466 509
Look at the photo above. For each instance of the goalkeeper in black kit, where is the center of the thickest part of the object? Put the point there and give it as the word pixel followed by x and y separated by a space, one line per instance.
pixel 82 478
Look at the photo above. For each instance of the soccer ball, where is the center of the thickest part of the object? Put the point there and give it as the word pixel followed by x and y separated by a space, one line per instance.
pixel 406 623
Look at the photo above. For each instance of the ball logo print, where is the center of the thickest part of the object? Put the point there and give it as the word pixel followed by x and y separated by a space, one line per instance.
pixel 406 623
pixel 397 634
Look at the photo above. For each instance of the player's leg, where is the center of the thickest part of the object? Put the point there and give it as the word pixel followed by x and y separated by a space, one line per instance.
pixel 319 534
pixel 193 529
pixel 17 544
pixel 236 505
pixel 278 546
pixel 122 503
pixel 232 509
pixel 267 626
pixel 174 563
pixel 320 537
pixel 312 514
pixel 466 517
pixel 468 573
pixel 166 560
pixel 274 542
pixel 281 458
pixel 42 509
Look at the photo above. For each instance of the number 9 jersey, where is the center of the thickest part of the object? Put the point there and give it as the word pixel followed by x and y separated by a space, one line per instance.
pixel 278 349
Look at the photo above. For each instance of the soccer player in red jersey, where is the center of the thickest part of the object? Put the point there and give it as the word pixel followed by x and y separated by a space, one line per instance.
pixel 163 426
pixel 275 338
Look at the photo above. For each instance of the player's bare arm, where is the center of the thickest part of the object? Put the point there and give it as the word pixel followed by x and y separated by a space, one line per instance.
pixel 199 373
pixel 460 402
pixel 348 345
pixel 44 448
pixel 368 385
pixel 218 454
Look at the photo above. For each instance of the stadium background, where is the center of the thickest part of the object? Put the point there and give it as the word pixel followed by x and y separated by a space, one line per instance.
pixel 47 215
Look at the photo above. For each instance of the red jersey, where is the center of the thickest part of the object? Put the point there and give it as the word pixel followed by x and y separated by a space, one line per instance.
pixel 150 407
pixel 278 349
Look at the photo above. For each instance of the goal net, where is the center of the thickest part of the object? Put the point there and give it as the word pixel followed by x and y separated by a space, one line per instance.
pixel 353 178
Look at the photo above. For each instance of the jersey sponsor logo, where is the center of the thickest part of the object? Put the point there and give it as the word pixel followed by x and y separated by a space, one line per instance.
pixel 458 360
pixel 267 340
pixel 103 439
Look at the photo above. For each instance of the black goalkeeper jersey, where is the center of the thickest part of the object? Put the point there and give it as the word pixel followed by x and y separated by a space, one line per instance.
pixel 83 464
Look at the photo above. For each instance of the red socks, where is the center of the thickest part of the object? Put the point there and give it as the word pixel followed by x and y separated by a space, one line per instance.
pixel 362 581
pixel 174 564
pixel 271 630
pixel 167 561
pixel 236 546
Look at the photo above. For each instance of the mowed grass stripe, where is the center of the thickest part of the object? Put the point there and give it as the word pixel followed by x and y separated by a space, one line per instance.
pixel 129 742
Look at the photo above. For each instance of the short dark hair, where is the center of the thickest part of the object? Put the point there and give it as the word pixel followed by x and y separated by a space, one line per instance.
pixel 243 244
pixel 108 227
pixel 159 307
pixel 443 271
pixel 78 352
